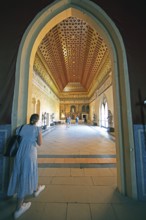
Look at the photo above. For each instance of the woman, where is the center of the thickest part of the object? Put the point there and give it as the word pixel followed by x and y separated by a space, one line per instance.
pixel 24 178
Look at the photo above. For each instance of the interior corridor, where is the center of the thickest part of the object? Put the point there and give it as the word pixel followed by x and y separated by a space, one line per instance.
pixel 78 166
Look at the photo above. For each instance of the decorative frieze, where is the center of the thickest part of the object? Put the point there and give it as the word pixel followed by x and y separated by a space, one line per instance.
pixel 37 81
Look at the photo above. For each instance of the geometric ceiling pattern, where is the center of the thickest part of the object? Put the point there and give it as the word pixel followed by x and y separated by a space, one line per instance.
pixel 73 55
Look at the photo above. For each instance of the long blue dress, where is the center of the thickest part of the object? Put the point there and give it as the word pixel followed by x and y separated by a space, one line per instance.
pixel 24 178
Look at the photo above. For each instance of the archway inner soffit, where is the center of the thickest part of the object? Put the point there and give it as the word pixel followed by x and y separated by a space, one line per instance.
pixel 73 59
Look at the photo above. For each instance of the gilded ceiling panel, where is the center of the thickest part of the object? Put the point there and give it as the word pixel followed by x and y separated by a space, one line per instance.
pixel 74 55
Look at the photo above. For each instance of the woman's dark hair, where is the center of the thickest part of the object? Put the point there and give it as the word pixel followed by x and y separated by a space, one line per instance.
pixel 34 119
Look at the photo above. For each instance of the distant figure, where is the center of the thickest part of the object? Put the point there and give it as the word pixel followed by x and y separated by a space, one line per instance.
pixel 77 119
pixel 68 121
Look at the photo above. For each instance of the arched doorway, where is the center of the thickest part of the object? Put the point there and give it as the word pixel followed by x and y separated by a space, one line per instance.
pixel 99 20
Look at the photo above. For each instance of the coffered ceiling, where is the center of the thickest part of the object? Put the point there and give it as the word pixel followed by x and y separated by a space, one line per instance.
pixel 73 59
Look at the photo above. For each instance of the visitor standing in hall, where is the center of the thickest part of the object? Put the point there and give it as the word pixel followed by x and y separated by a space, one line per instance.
pixel 77 120
pixel 68 121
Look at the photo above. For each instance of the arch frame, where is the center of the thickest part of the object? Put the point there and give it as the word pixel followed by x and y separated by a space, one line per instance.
pixel 101 22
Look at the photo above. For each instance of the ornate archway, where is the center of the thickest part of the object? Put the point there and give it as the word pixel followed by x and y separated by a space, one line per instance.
pixel 99 20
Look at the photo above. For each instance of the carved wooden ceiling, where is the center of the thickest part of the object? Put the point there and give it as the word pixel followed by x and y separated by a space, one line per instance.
pixel 73 57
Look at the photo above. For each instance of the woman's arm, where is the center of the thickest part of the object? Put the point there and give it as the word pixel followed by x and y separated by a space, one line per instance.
pixel 39 139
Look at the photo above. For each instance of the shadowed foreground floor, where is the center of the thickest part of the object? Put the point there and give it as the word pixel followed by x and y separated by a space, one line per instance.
pixel 78 167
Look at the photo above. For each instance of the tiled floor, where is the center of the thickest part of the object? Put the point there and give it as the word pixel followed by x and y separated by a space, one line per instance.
pixel 78 167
